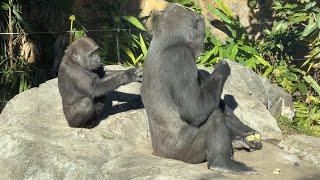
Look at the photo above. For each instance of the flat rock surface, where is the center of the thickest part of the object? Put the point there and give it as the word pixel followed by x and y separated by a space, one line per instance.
pixel 307 147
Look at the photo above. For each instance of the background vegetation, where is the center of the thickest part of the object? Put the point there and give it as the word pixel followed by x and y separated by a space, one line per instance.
pixel 288 53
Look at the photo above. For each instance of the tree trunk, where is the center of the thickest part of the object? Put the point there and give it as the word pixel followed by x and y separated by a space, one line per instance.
pixel 10 27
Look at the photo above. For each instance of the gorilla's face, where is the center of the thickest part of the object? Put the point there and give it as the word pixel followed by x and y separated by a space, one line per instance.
pixel 92 60
pixel 85 52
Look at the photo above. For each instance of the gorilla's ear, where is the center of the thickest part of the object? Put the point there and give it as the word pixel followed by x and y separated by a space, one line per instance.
pixel 75 55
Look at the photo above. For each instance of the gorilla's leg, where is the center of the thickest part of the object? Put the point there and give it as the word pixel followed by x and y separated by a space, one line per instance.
pixel 80 113
pixel 239 131
pixel 212 142
pixel 219 147
pixel 236 126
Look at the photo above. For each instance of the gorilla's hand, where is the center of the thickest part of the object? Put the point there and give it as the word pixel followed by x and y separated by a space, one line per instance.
pixel 134 74
pixel 138 74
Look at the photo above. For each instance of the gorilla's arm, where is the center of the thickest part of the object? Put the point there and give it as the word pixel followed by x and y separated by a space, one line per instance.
pixel 112 81
pixel 195 102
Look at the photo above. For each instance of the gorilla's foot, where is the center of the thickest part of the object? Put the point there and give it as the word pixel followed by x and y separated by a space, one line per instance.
pixel 250 142
pixel 231 166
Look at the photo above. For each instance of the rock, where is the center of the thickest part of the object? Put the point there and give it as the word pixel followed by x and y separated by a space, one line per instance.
pixel 138 165
pixel 279 102
pixel 247 94
pixel 36 142
pixel 306 147
pixel 276 100
pixel 252 112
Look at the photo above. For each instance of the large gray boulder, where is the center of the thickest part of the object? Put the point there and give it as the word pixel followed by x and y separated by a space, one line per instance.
pixel 254 100
pixel 36 142
pixel 275 99
pixel 252 112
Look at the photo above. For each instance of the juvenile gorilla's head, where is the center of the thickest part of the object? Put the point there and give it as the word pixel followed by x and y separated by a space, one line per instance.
pixel 178 23
pixel 84 52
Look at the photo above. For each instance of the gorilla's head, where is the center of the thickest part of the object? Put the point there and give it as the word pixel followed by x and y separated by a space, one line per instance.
pixel 84 52
pixel 178 23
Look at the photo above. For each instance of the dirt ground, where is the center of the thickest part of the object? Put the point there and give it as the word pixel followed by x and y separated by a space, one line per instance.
pixel 265 161
pixel 271 157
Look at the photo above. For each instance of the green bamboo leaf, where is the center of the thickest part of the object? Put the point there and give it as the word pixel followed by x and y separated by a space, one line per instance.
pixel 262 61
pixel 134 21
pixel 216 48
pixel 138 59
pixel 228 50
pixel 248 49
pixel 306 62
pixel 250 63
pixel 302 88
pixel 310 5
pixel 314 52
pixel 234 52
pixel 224 8
pixel 220 14
pixel 221 52
pixel 22 81
pixel 17 14
pixel 143 45
pixel 302 115
pixel 278 25
pixel 128 52
pixel 267 72
pixel 233 32
pixel 5 6
pixel 290 6
pixel 310 66
pixel 318 20
pixel 207 55
pixel 310 27
pixel 312 83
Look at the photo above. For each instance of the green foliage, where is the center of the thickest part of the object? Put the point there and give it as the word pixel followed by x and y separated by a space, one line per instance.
pixel 137 43
pixel 74 33
pixel 308 115
pixel 237 47
pixel 296 28
pixel 11 82
pixel 134 21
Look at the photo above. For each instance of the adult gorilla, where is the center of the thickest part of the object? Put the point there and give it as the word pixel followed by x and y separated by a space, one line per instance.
pixel 187 118
pixel 82 82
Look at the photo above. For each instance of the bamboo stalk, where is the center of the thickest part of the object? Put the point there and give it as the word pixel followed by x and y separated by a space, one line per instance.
pixel 10 28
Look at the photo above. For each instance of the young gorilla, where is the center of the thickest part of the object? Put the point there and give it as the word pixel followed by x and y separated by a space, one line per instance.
pixel 188 120
pixel 81 82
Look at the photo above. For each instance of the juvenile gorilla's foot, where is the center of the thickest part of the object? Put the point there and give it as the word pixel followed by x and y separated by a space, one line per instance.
pixel 230 166
pixel 250 142
pixel 222 68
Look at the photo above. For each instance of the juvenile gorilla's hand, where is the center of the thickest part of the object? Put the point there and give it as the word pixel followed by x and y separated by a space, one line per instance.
pixel 138 74
pixel 134 74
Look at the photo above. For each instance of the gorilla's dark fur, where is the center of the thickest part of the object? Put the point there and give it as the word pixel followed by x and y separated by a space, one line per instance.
pixel 187 118
pixel 82 81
